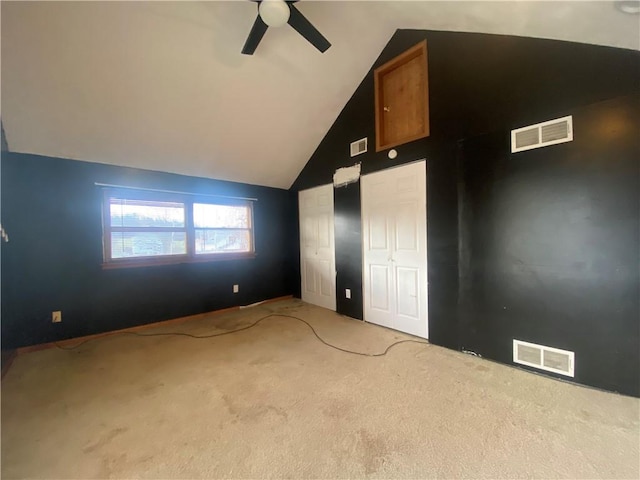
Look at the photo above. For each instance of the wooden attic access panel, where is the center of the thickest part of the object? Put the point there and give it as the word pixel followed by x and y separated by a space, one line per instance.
pixel 402 98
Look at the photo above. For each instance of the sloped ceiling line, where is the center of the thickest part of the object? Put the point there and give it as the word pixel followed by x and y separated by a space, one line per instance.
pixel 163 86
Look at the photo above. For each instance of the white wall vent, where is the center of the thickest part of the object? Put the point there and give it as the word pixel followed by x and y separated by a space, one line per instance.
pixel 544 358
pixel 542 134
pixel 358 147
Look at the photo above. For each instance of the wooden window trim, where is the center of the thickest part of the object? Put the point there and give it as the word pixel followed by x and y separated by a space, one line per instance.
pixel 189 228
pixel 173 260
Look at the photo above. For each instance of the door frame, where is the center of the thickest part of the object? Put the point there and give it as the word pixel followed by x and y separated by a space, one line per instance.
pixel 363 243
pixel 332 301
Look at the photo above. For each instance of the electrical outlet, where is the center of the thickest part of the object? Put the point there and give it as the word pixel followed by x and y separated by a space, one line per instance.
pixel 236 288
pixel 56 317
pixel 347 292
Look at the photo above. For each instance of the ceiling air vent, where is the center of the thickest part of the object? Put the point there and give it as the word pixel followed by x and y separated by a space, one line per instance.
pixel 544 358
pixel 542 134
pixel 359 146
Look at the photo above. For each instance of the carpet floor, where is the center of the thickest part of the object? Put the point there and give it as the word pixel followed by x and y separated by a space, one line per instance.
pixel 274 402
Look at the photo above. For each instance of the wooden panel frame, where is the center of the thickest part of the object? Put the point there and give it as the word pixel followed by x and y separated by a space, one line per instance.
pixel 414 52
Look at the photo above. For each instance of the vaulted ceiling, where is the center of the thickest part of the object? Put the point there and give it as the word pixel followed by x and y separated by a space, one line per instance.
pixel 163 86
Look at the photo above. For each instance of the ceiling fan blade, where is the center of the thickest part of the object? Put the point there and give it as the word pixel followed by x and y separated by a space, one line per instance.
pixel 255 35
pixel 308 31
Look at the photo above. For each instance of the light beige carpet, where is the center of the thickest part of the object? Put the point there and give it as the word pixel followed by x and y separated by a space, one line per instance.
pixel 273 402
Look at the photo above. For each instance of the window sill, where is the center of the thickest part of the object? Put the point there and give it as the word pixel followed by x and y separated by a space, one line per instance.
pixel 148 262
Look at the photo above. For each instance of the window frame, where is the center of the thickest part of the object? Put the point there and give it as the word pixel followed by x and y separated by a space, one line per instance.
pixel 190 256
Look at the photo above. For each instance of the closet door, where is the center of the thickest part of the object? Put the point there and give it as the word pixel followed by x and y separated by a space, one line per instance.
pixel 317 246
pixel 395 248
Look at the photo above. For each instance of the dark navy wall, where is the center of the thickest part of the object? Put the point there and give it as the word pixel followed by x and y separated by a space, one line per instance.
pixel 550 245
pixel 348 238
pixel 51 210
pixel 480 84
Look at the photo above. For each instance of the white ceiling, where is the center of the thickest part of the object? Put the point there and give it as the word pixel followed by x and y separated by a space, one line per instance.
pixel 163 86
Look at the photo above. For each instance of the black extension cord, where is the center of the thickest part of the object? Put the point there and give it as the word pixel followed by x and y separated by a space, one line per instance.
pixel 220 334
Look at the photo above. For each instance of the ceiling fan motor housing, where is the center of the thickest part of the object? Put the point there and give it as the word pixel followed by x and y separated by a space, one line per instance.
pixel 272 13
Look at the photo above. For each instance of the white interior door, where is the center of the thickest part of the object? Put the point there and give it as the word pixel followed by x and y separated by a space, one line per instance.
pixel 317 246
pixel 394 231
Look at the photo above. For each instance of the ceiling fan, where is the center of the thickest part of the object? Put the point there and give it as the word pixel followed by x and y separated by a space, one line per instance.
pixel 275 13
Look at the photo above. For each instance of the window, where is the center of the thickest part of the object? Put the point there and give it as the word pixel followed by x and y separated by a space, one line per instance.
pixel 144 228
pixel 221 228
